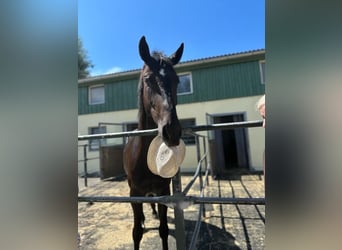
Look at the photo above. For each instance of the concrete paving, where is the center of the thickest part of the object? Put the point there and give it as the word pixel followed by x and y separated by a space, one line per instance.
pixel 225 226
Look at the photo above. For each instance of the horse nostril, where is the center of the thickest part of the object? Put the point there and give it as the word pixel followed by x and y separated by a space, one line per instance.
pixel 170 137
pixel 166 135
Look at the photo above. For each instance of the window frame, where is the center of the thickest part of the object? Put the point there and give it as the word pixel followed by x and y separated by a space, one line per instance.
pixel 189 140
pixel 190 82
pixel 94 144
pixel 90 88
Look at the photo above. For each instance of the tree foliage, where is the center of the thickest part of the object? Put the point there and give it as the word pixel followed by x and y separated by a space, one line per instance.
pixel 83 61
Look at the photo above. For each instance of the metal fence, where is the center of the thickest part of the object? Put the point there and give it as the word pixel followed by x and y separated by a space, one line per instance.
pixel 179 200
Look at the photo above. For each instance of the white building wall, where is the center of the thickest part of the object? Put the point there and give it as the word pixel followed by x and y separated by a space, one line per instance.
pixel 256 136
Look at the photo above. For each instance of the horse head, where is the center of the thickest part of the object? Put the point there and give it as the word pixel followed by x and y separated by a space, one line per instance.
pixel 159 83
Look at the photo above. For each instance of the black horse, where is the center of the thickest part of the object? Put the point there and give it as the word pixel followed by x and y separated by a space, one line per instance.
pixel 157 93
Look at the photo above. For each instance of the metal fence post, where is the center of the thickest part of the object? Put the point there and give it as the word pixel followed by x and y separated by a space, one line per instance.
pixel 85 165
pixel 206 158
pixel 179 215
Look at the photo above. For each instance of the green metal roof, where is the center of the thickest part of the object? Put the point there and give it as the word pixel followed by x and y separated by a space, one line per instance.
pixel 221 77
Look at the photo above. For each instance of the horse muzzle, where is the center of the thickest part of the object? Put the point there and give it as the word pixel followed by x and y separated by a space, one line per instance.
pixel 171 133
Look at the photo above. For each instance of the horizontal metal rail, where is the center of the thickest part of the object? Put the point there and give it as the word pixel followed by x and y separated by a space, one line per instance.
pixel 231 125
pixel 118 134
pixel 172 201
pixel 91 158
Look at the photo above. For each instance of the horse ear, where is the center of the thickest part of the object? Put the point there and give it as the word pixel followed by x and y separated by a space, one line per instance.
pixel 175 57
pixel 144 51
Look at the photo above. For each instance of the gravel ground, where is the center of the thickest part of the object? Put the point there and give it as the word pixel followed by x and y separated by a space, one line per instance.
pixel 225 226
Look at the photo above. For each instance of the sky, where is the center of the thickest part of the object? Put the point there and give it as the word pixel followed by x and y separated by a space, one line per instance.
pixel 111 29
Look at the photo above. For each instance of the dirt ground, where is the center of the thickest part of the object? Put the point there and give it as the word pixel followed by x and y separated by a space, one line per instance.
pixel 225 226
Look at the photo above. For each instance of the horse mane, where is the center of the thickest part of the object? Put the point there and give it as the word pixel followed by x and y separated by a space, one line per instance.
pixel 140 99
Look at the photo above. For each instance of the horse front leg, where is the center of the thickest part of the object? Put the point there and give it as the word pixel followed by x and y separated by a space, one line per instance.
pixel 154 211
pixel 139 218
pixel 163 227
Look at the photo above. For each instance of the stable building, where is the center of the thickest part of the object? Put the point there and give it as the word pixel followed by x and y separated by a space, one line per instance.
pixel 213 90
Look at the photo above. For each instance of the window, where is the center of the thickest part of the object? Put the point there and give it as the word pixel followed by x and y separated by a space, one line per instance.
pixel 131 126
pixel 185 84
pixel 96 94
pixel 188 138
pixel 94 145
pixel 262 71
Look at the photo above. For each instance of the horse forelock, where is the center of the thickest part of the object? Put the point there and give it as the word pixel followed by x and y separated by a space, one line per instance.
pixel 157 55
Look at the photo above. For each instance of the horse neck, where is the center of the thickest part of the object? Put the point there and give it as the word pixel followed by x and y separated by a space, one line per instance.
pixel 145 121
